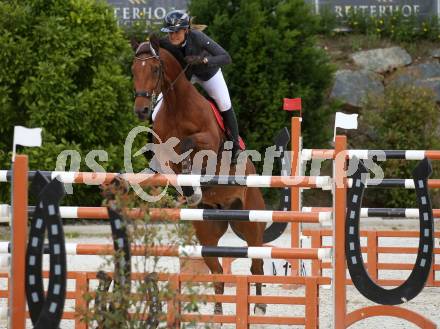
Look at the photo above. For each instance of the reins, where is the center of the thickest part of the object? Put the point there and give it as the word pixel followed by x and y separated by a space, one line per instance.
pixel 152 94
pixel 172 83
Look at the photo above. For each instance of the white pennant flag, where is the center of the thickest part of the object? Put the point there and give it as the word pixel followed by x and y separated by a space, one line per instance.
pixel 26 137
pixel 346 121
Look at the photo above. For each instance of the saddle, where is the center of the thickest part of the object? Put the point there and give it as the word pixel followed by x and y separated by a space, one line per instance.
pixel 221 124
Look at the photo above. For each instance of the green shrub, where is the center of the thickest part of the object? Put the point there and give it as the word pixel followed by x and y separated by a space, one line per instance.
pixel 396 26
pixel 405 118
pixel 65 67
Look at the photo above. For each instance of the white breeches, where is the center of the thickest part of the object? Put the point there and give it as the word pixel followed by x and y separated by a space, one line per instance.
pixel 215 87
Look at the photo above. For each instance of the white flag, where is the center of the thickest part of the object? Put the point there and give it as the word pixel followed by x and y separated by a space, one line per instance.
pixel 26 137
pixel 346 121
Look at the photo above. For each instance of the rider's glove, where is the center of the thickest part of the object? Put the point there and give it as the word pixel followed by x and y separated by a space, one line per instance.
pixel 194 60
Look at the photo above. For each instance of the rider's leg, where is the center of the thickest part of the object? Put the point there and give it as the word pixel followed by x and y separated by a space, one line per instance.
pixel 231 125
pixel 218 90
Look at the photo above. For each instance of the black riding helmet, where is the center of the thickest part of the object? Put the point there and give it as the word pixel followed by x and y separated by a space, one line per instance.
pixel 175 20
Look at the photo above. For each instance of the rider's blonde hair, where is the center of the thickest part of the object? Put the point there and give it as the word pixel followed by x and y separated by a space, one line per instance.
pixel 198 27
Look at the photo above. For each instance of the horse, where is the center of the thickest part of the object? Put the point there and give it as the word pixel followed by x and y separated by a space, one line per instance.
pixel 187 115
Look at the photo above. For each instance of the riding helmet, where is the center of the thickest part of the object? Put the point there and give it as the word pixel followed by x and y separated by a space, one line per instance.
pixel 176 20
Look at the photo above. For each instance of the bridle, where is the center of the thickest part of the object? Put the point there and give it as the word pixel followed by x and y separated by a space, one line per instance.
pixel 152 95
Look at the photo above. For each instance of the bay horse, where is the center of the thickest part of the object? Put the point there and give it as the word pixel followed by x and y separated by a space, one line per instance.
pixel 187 115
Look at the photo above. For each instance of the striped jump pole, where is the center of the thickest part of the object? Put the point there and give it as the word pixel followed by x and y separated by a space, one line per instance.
pixel 176 215
pixel 396 182
pixel 327 154
pixel 193 251
pixel 91 178
pixel 378 212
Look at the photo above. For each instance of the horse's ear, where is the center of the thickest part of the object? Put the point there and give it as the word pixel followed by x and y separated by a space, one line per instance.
pixel 134 43
pixel 155 42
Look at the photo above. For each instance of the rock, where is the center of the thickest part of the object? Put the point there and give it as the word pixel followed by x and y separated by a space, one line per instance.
pixel 382 60
pixel 352 87
pixel 435 53
pixel 426 75
pixel 416 72
pixel 432 84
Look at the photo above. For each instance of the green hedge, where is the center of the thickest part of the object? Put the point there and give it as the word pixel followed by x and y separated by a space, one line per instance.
pixel 65 67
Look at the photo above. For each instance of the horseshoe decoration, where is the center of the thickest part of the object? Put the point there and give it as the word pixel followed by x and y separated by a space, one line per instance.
pixel 417 279
pixel 121 245
pixel 122 270
pixel 46 311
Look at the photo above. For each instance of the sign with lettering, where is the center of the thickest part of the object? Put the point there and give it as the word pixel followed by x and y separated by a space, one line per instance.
pixel 152 11
pixel 378 8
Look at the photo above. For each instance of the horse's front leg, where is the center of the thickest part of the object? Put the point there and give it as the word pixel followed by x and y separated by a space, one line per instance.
pixel 257 269
pixel 205 160
pixel 193 195
pixel 209 233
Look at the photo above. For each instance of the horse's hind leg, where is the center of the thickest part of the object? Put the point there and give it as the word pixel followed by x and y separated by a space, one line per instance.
pixel 253 234
pixel 208 234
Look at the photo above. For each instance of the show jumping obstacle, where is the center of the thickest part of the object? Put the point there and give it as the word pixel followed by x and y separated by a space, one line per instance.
pixel 242 299
pixel 251 252
pixel 176 215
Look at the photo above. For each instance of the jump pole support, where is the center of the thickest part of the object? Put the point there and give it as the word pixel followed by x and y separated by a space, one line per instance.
pixel 17 294
pixel 295 192
pixel 295 105
pixel 339 206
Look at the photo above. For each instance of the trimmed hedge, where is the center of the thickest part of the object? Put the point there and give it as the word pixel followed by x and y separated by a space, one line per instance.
pixel 65 67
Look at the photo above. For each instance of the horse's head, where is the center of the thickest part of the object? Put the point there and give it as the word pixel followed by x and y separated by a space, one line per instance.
pixel 147 76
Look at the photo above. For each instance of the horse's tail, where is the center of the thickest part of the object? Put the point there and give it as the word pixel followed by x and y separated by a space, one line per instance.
pixel 275 230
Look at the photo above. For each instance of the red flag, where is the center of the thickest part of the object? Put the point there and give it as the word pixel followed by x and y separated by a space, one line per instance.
pixel 292 104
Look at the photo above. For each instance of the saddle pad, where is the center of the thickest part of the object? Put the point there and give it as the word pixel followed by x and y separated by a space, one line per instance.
pixel 220 122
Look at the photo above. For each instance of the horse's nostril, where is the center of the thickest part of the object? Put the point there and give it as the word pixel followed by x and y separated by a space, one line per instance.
pixel 139 110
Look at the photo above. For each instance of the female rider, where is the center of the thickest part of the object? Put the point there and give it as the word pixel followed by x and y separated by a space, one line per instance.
pixel 204 56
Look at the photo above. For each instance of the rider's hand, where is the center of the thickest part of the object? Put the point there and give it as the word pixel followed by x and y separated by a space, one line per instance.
pixel 194 60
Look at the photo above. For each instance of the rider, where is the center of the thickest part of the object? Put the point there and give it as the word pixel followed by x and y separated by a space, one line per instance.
pixel 204 57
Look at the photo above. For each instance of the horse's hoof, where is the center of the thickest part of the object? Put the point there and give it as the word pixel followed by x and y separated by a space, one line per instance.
pixel 260 309
pixel 218 309
pixel 196 198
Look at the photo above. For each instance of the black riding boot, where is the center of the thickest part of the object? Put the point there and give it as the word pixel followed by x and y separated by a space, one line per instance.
pixel 231 126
